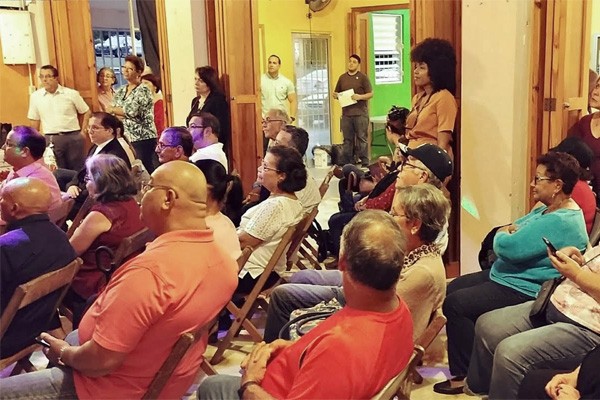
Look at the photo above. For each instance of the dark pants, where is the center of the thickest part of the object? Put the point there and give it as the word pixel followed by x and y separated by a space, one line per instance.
pixel 347 197
pixel 468 297
pixel 246 284
pixel 355 131
pixel 533 385
pixel 63 177
pixel 68 149
pixel 144 150
pixel 337 222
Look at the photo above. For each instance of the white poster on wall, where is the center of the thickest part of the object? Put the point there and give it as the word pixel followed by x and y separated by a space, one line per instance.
pixel 16 37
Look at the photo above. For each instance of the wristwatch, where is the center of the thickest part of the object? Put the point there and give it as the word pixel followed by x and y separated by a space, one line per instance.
pixel 243 388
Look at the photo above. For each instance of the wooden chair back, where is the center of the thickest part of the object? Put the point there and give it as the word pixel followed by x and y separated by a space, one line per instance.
pixel 130 245
pixel 242 315
pixel 181 347
pixel 400 386
pixel 81 214
pixel 246 253
pixel 595 232
pixel 59 215
pixel 299 235
pixel 325 184
pixel 32 291
pixel 436 323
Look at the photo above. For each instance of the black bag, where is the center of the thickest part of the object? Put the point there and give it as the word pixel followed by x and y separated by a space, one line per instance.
pixel 537 315
pixel 322 238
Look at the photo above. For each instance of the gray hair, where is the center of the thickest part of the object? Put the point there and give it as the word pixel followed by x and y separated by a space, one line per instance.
pixel 427 204
pixel 280 113
pixel 111 177
pixel 373 249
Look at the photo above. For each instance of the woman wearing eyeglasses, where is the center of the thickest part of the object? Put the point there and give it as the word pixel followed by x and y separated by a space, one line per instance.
pixel 522 264
pixel 113 217
pixel 106 79
pixel 434 109
pixel 211 99
pixel 282 173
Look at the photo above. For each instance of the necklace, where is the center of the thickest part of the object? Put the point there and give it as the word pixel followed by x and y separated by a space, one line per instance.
pixel 426 250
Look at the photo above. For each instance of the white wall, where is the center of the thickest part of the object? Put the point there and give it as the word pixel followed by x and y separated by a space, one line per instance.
pixel 186 33
pixel 495 66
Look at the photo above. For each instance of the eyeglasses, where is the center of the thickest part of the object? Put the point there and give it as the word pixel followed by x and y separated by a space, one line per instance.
pixel 266 168
pixel 537 179
pixel 161 146
pixel 96 128
pixel 267 120
pixel 194 126
pixel 147 186
pixel 406 164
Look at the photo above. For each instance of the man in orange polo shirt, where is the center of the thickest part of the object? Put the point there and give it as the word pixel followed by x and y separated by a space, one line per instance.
pixel 177 285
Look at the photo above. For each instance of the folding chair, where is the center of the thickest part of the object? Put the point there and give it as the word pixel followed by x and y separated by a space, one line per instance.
pixel 595 232
pixel 27 294
pixel 181 347
pixel 81 214
pixel 243 315
pixel 436 323
pixel 325 184
pixel 298 239
pixel 401 385
pixel 130 245
pixel 59 215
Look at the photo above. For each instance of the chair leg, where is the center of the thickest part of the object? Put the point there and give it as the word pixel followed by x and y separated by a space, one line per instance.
pixel 207 368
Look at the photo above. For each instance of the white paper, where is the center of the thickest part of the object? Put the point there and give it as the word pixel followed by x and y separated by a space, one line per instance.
pixel 345 98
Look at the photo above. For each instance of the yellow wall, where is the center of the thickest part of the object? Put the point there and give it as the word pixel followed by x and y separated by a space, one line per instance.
pixel 279 18
pixel 595 33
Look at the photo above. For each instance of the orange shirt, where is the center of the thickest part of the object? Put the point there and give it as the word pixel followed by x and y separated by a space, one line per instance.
pixel 181 282
pixel 430 116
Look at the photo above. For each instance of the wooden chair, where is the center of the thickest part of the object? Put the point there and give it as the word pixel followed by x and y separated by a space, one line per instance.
pixel 246 253
pixel 25 295
pixel 297 241
pixel 130 245
pixel 181 347
pixel 243 315
pixel 436 323
pixel 83 211
pixel 59 215
pixel 325 184
pixel 595 232
pixel 401 385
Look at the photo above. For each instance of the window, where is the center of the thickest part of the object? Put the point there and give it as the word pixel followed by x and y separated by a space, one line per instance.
pixel 112 46
pixel 387 48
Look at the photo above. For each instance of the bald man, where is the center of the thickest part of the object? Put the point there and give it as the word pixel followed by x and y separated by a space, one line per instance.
pixel 179 284
pixel 31 247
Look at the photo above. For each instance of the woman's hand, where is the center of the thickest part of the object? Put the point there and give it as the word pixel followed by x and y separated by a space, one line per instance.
pixel 73 191
pixel 564 264
pixel 56 346
pixel 361 204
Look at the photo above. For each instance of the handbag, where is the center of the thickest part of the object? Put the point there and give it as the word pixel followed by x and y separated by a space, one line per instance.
pixel 537 315
pixel 303 320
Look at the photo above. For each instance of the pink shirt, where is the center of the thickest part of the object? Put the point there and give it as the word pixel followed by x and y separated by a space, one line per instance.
pixel 38 170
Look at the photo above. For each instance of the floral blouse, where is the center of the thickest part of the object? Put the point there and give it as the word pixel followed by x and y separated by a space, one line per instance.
pixel 139 112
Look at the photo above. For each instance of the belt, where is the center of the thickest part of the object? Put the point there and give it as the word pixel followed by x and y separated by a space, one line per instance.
pixel 62 133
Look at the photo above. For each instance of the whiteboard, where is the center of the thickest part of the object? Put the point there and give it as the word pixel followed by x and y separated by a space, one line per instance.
pixel 16 37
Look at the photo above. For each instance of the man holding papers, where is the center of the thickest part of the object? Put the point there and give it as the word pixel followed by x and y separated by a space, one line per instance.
pixel 353 89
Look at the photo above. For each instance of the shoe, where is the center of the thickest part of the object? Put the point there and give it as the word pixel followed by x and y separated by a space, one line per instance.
pixel 330 263
pixel 446 387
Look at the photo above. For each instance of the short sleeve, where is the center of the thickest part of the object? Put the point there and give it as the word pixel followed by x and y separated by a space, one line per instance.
pixel 266 221
pixel 367 84
pixel 79 103
pixel 446 112
pixel 290 87
pixel 128 309
pixel 33 112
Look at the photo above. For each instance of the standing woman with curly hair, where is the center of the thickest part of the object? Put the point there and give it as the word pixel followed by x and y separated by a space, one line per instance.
pixel 434 108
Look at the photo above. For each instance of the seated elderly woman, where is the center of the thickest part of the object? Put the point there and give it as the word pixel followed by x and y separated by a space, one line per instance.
pixel 508 343
pixel 262 226
pixel 421 211
pixel 113 217
pixel 219 196
pixel 522 264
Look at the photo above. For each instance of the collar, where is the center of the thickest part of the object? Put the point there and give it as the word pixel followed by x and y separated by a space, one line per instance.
pixel 27 220
pixel 415 255
pixel 190 236
pixel 59 90
pixel 31 168
pixel 102 145
pixel 270 77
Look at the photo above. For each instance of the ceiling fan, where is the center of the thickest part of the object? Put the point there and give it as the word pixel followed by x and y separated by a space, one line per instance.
pixel 317 5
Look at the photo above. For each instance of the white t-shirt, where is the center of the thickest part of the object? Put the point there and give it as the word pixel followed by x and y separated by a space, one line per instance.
pixel 225 234
pixel 274 92
pixel 268 221
pixel 212 152
pixel 309 196
pixel 57 111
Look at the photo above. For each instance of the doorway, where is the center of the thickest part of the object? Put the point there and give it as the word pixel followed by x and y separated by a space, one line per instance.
pixel 311 69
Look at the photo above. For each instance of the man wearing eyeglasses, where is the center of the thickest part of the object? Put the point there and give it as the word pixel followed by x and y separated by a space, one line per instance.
pixel 205 129
pixel 175 143
pixel 275 120
pixel 57 109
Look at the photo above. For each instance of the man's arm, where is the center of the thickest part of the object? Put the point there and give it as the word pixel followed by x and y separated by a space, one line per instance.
pixel 365 96
pixel 35 124
pixel 255 365
pixel 90 359
pixel 293 99
pixel 85 121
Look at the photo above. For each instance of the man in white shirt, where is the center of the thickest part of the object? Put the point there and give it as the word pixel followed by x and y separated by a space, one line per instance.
pixel 57 108
pixel 204 128
pixel 276 91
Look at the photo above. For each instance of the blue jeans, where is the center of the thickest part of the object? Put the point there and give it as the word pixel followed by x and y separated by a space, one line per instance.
pixel 50 383
pixel 355 128
pixel 468 297
pixel 307 288
pixel 507 346
pixel 219 387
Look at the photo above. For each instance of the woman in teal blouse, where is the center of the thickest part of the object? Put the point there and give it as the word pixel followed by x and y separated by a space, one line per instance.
pixel 522 264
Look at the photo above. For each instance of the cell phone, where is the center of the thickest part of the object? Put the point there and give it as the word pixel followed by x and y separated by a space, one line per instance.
pixel 42 342
pixel 550 246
